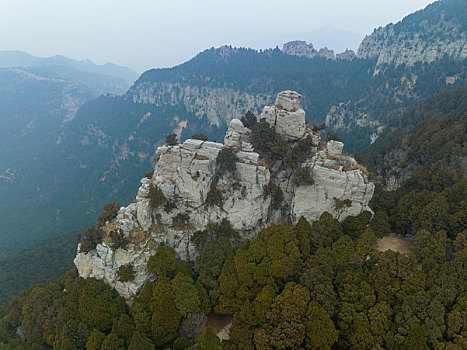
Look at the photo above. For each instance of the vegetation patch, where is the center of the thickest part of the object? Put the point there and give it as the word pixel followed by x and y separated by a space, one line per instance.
pixel 249 120
pixel 126 273
pixel 277 196
pixel 214 196
pixel 201 137
pixel 171 139
pixel 340 204
pixel 169 206
pixel 303 177
pixel 181 220
pixel 156 196
pixel 118 240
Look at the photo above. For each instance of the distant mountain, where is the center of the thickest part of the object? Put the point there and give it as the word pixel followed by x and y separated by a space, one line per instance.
pixel 333 38
pixel 10 59
pixel 93 158
pixel 425 36
pixel 38 97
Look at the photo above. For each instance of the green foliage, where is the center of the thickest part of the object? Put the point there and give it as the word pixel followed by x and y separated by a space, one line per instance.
pixel 140 342
pixel 340 204
pixel 181 219
pixel 186 296
pixel 90 239
pixel 95 340
pixel 43 262
pixel 171 139
pixel 163 263
pixel 269 144
pixel 380 224
pixel 277 196
pixel 201 137
pixel 209 340
pixel 126 273
pixel 226 161
pixel 330 136
pixel 118 239
pixel 249 120
pixel 156 196
pixel 326 231
pixel 109 212
pixel 303 177
pixel 169 206
pixel 214 196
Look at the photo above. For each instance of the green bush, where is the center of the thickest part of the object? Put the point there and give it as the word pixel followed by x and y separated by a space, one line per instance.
pixel 214 196
pixel 171 140
pixel 118 240
pixel 109 212
pixel 340 204
pixel 226 161
pixel 89 239
pixel 303 177
pixel 156 196
pixel 277 196
pixel 181 219
pixel 269 144
pixel 126 273
pixel 201 137
pixel 249 120
pixel 169 206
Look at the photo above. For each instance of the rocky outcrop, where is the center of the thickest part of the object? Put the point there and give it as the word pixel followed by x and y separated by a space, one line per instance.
pixel 347 55
pixel 286 116
pixel 301 48
pixel 185 175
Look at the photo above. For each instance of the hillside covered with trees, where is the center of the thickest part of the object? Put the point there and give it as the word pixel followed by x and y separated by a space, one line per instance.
pixel 317 285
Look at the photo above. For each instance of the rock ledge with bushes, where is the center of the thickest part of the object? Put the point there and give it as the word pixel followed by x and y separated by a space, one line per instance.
pixel 279 170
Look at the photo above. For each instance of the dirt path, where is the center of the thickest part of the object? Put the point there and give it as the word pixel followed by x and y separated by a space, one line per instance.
pixel 220 323
pixel 395 242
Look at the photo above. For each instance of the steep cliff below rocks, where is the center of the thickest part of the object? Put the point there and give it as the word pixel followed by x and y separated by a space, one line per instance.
pixel 258 191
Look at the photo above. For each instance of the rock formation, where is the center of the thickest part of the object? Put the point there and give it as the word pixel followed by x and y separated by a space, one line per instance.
pixel 301 48
pixel 185 173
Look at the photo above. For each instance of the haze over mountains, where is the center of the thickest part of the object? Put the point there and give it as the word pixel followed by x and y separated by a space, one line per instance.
pixel 72 158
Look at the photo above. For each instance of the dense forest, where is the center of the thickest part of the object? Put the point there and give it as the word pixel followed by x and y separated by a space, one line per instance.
pixel 317 285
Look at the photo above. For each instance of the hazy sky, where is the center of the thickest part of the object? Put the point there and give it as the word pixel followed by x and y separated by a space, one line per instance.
pixel 151 33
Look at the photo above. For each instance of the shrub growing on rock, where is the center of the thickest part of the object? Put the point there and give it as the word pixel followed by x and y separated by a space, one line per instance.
pixel 277 196
pixel 303 177
pixel 89 239
pixel 109 212
pixel 269 144
pixel 118 239
pixel 249 120
pixel 126 273
pixel 181 219
pixel 201 137
pixel 214 196
pixel 156 196
pixel 171 140
pixel 226 161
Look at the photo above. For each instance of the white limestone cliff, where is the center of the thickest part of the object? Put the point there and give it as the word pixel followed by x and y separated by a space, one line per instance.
pixel 184 173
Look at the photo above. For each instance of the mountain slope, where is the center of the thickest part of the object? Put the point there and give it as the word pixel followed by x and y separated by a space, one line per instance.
pixel 432 133
pixel 424 36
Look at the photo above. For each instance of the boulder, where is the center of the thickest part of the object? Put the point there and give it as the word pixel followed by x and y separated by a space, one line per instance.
pixel 335 148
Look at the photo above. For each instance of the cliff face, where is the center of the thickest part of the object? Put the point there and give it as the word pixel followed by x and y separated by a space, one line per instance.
pixel 425 36
pixel 216 103
pixel 185 173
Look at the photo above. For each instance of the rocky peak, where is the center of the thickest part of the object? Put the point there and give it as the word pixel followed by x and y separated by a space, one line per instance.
pixel 286 116
pixel 187 177
pixel 301 48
